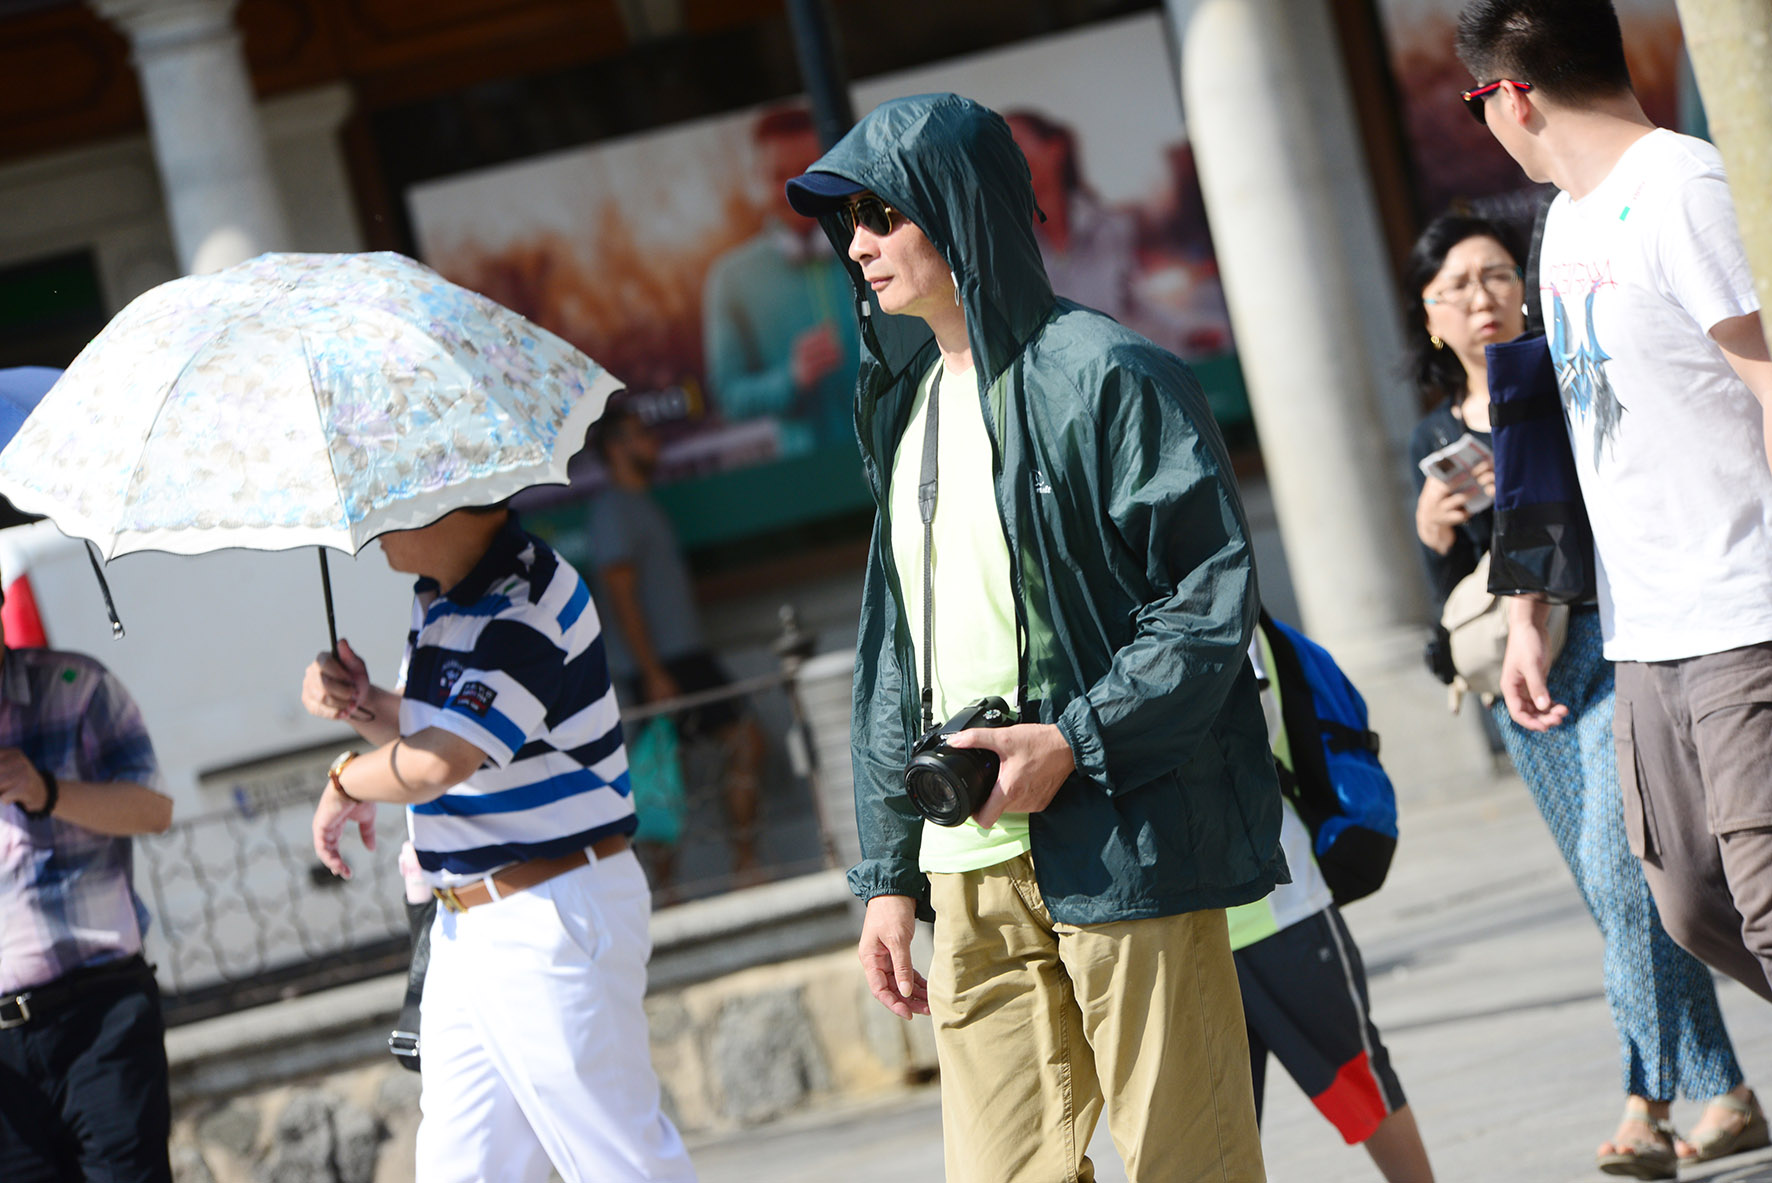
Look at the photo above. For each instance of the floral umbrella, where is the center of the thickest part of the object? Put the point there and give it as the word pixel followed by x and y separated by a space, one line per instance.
pixel 300 400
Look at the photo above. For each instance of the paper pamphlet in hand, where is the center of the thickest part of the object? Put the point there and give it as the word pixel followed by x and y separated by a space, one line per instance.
pixel 1456 464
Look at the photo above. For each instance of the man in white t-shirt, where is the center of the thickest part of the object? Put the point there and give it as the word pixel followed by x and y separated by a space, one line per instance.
pixel 1655 331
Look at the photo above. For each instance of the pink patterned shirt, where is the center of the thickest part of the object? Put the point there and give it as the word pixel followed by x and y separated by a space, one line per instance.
pixel 66 899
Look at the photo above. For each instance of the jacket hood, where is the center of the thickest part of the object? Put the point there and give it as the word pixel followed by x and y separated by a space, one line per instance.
pixel 952 167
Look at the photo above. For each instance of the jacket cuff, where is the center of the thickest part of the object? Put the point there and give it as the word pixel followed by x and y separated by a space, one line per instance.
pixel 872 877
pixel 1082 730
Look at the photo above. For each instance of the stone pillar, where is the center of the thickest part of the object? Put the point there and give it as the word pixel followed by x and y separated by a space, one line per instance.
pixel 1304 274
pixel 1317 324
pixel 1730 42
pixel 204 124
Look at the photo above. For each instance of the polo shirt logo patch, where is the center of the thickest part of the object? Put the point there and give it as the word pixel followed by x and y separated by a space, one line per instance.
pixel 475 698
pixel 449 676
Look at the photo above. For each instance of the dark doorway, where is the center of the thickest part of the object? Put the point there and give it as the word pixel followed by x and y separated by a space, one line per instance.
pixel 49 309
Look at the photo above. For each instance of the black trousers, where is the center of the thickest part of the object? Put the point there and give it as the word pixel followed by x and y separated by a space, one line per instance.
pixel 83 1090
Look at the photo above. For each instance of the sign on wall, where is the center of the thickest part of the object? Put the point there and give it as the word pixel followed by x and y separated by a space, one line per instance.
pixel 672 259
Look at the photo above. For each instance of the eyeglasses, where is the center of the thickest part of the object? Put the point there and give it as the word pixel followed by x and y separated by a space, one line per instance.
pixel 1474 99
pixel 1498 281
pixel 870 212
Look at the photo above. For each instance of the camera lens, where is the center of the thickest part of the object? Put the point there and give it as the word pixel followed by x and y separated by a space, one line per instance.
pixel 947 785
pixel 935 795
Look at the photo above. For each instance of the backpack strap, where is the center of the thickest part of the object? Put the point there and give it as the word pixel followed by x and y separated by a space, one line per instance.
pixel 1306 783
pixel 1342 738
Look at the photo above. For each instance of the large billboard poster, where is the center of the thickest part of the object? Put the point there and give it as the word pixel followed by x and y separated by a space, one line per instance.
pixel 672 259
pixel 1457 159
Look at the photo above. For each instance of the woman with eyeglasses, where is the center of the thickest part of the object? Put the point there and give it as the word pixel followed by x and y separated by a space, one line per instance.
pixel 1466 290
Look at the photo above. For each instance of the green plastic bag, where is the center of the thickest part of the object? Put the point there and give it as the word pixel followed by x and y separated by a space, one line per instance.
pixel 656 777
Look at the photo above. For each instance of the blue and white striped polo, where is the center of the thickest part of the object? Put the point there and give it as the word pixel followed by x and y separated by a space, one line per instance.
pixel 511 660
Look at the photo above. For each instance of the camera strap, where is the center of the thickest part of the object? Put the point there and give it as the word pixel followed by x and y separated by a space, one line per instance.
pixel 926 510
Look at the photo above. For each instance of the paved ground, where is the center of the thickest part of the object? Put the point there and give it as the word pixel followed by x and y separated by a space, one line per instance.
pixel 1485 975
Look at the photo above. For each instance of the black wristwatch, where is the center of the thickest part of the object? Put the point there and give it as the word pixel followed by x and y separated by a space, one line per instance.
pixel 51 794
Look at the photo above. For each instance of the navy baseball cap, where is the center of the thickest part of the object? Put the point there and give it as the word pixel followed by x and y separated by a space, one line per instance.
pixel 814 193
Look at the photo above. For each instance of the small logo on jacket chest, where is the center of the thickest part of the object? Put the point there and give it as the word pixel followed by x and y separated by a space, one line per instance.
pixel 1040 483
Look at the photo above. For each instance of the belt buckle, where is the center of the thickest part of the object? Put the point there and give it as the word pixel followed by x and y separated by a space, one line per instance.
pixel 403 1043
pixel 450 901
pixel 20 1004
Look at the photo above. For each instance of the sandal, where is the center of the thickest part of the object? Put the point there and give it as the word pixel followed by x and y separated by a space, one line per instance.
pixel 1720 1143
pixel 1639 1158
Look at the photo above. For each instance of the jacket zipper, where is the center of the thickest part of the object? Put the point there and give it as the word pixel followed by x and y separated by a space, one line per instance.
pixel 996 419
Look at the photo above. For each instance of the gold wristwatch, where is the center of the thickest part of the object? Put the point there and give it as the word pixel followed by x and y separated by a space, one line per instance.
pixel 338 766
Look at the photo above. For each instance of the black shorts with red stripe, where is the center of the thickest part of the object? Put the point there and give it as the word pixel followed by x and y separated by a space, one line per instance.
pixel 1304 1000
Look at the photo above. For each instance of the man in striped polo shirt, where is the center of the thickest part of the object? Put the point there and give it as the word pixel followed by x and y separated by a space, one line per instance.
pixel 504 743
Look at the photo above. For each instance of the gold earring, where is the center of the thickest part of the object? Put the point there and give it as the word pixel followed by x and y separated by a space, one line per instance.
pixel 1438 344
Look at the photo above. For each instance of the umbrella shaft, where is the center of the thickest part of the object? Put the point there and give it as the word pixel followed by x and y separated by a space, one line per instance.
pixel 326 588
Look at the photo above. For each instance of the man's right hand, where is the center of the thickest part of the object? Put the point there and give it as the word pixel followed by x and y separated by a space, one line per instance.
pixel 1525 667
pixel 334 687
pixel 885 954
pixel 331 816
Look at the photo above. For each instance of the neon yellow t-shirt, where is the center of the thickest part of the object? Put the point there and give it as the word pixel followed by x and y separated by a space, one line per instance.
pixel 975 642
pixel 1307 894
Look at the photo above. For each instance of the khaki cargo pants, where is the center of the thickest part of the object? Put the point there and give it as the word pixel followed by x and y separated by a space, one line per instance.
pixel 1036 1023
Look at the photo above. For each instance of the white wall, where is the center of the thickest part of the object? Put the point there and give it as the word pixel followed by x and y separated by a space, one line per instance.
pixel 215 645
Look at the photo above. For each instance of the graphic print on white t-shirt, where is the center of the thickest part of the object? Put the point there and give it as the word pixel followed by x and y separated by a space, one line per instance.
pixel 1581 374
pixel 1666 436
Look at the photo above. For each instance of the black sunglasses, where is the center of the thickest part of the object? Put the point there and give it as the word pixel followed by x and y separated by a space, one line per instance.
pixel 1474 99
pixel 870 212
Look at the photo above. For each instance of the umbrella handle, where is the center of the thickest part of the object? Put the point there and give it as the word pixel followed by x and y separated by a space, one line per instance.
pixel 362 713
pixel 326 589
pixel 104 590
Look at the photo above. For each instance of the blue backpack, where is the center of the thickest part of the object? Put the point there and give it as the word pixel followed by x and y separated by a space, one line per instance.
pixel 1337 785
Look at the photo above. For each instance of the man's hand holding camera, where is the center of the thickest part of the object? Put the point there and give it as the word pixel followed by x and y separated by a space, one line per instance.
pixel 1036 760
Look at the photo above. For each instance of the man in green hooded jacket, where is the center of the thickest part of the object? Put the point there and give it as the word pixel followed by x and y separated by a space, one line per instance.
pixel 1086 559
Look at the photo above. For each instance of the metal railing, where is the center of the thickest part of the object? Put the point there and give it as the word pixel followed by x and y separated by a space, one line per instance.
pixel 243 912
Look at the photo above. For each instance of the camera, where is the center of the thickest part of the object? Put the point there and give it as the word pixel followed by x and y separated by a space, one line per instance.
pixel 947 784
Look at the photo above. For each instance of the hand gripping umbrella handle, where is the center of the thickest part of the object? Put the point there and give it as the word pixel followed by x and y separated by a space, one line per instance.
pixel 362 713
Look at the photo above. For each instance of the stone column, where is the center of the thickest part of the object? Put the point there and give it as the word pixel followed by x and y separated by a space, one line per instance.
pixel 1313 306
pixel 1304 273
pixel 204 124
pixel 1730 42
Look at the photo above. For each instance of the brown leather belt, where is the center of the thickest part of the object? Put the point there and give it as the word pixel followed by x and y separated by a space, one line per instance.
pixel 522 876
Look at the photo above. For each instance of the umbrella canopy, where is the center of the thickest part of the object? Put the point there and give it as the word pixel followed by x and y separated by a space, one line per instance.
pixel 298 400
pixel 21 388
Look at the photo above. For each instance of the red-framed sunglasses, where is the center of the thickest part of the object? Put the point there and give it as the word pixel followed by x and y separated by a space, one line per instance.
pixel 1473 99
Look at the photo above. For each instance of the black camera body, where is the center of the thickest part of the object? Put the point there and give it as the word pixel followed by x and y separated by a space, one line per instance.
pixel 947 784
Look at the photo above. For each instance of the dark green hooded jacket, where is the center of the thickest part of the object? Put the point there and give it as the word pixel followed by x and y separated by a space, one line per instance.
pixel 1134 582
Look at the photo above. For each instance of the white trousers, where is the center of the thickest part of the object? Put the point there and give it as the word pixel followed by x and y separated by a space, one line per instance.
pixel 534 1038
